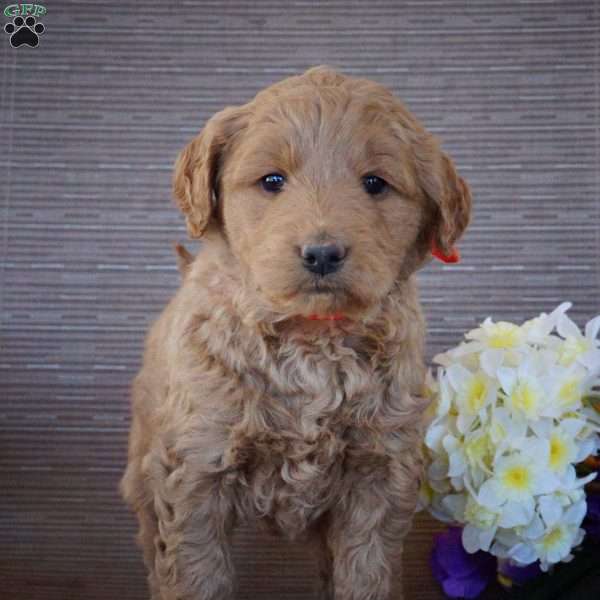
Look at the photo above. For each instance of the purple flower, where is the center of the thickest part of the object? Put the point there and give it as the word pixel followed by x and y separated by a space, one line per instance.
pixel 460 574
pixel 591 524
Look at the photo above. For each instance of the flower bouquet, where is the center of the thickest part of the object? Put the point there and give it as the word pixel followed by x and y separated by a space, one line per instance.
pixel 512 414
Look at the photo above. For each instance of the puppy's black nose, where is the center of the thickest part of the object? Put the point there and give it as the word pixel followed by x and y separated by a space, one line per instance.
pixel 323 258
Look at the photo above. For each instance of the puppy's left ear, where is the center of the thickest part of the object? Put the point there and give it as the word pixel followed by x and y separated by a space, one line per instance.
pixel 449 193
pixel 197 168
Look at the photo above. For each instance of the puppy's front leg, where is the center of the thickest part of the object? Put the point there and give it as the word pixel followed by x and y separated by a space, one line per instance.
pixel 366 536
pixel 195 517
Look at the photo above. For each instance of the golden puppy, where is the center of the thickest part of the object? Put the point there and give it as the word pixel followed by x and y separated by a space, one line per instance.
pixel 282 382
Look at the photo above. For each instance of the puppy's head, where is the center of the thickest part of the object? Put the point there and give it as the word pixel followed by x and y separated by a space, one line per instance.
pixel 327 190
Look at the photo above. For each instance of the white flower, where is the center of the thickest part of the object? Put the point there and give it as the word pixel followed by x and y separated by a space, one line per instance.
pixel 511 416
pixel 538 329
pixel 583 348
pixel 445 396
pixel 562 535
pixel 473 392
pixel 567 385
pixel 524 391
pixel 500 335
pixel 479 451
pixel 550 538
pixel 456 459
pixel 563 449
pixel 475 538
pixel 518 478
pixel 504 431
pixel 435 434
pixel 556 544
pixel 479 515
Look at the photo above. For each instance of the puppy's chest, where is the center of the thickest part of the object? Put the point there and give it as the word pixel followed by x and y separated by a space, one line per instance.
pixel 291 479
pixel 293 455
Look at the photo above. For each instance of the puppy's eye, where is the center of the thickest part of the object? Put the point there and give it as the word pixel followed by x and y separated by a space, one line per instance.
pixel 273 182
pixel 374 185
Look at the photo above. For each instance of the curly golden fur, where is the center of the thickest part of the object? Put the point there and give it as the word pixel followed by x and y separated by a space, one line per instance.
pixel 246 409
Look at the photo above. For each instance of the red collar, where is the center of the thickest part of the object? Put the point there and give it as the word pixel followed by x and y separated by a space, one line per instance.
pixel 333 317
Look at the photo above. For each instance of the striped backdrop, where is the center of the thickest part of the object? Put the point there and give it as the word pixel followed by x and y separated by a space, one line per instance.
pixel 91 121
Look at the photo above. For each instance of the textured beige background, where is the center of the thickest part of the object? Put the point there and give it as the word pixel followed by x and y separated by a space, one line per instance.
pixel 91 122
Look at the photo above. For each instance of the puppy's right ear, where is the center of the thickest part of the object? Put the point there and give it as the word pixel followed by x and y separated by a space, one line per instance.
pixel 449 194
pixel 196 176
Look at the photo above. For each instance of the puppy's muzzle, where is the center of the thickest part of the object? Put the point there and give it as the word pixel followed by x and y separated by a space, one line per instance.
pixel 323 259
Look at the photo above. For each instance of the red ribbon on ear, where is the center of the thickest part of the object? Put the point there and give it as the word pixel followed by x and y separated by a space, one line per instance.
pixel 451 258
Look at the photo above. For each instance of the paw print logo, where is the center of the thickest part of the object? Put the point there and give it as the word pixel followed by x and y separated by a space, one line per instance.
pixel 24 31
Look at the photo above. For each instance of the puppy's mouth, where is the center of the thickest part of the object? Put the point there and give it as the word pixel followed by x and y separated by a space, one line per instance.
pixel 320 287
pixel 321 296
pixel 326 295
